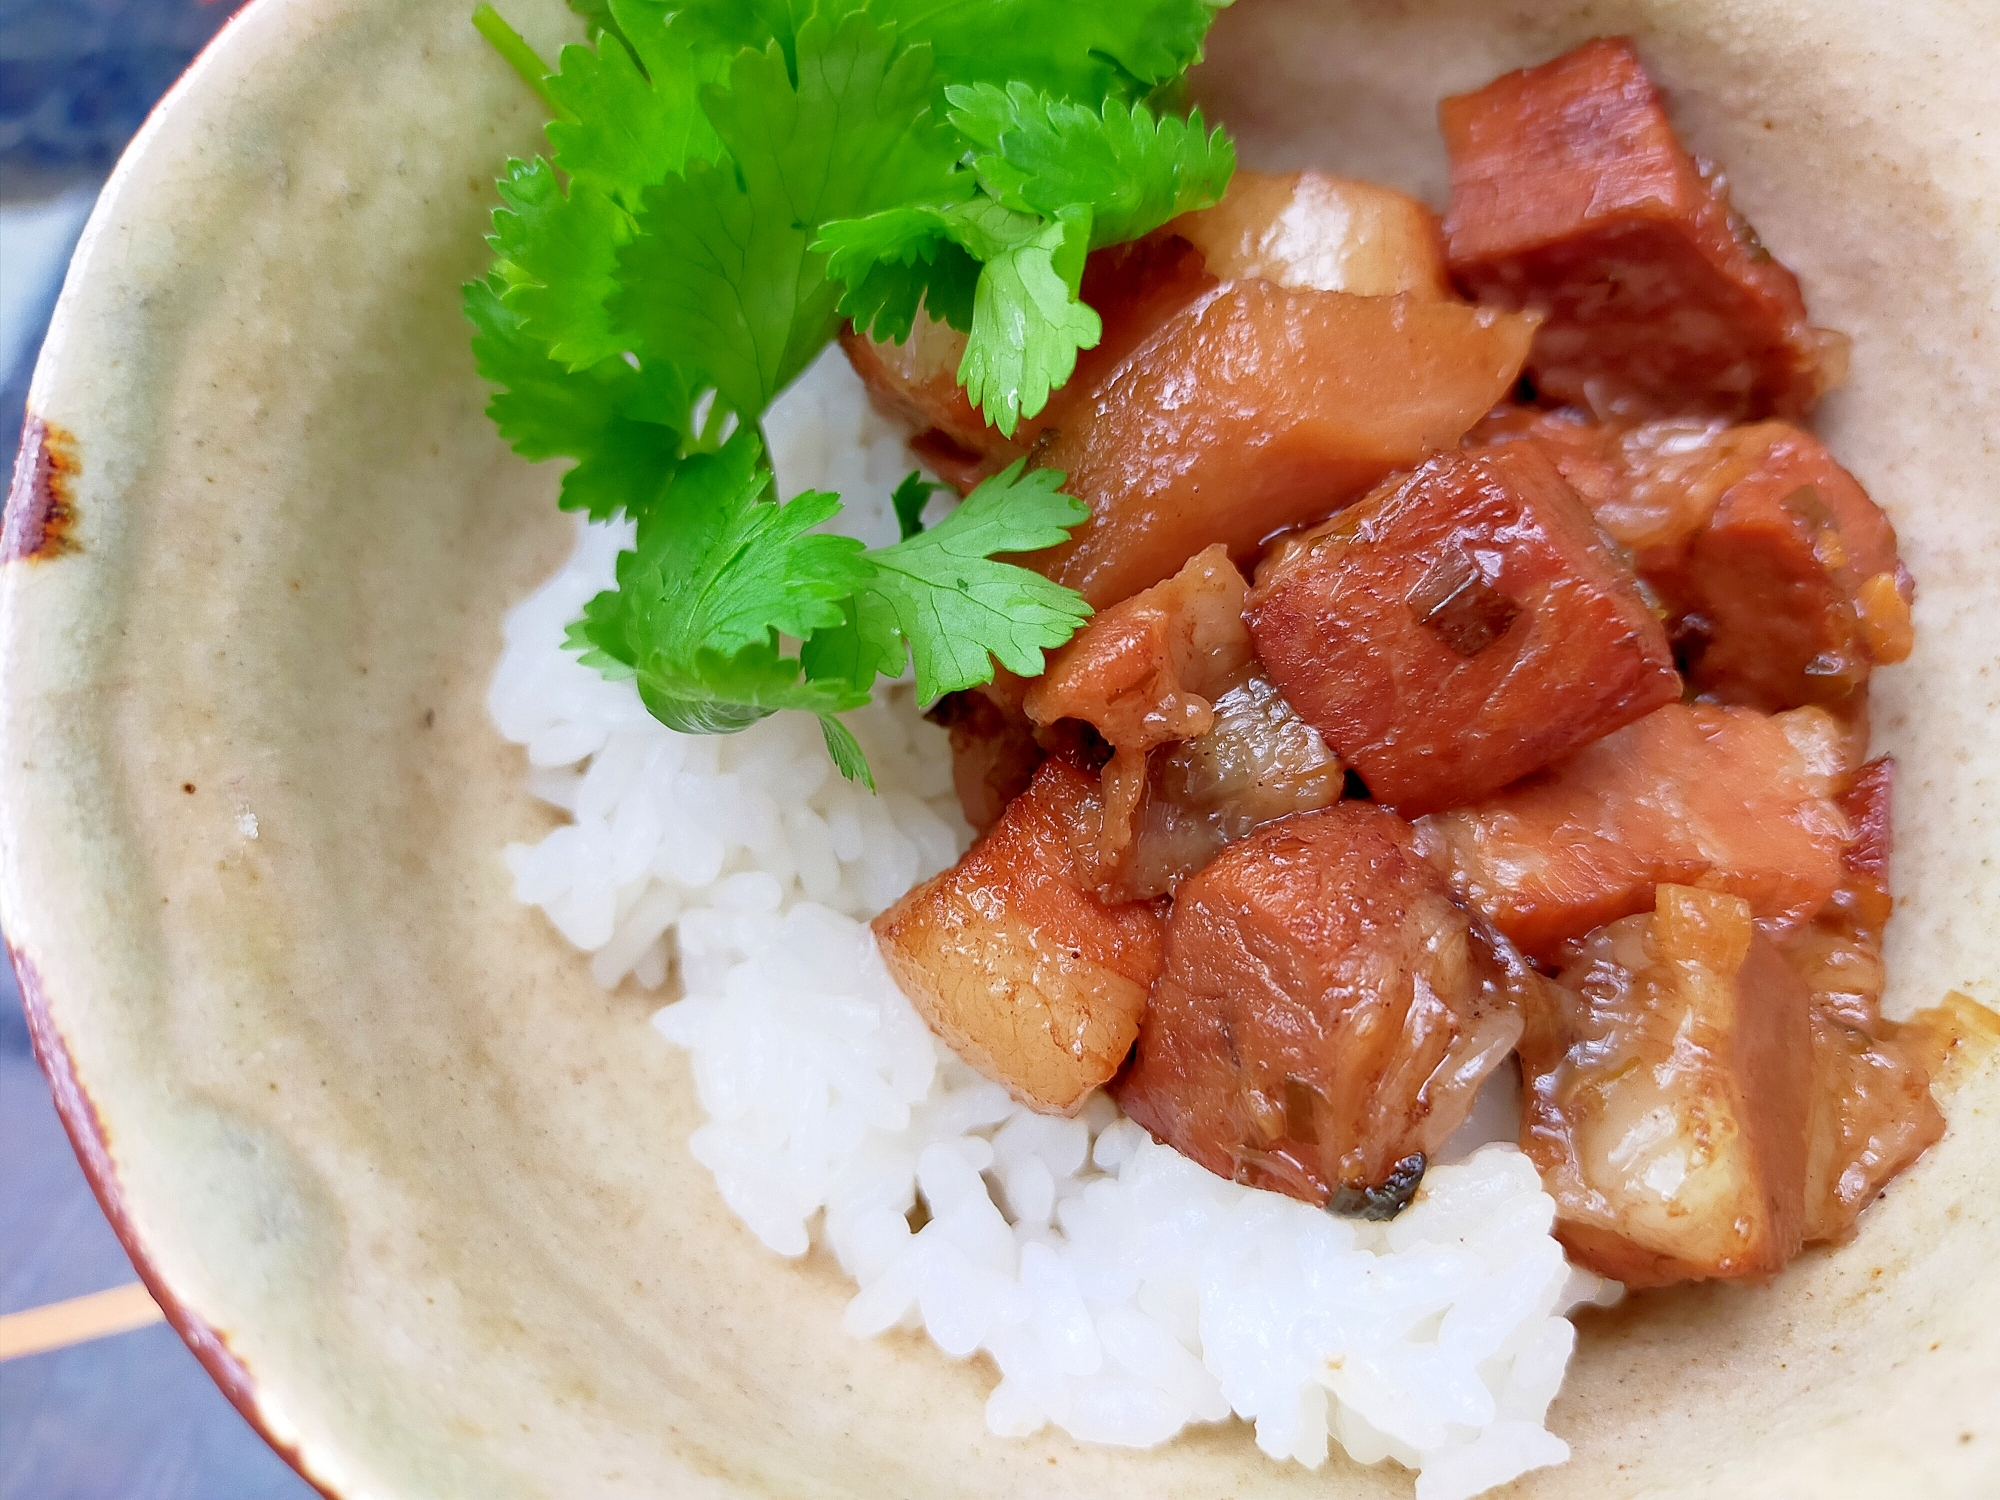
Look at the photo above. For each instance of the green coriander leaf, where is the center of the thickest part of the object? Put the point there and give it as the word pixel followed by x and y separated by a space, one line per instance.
pixel 1088 51
pixel 597 18
pixel 1028 322
pixel 732 26
pixel 628 127
pixel 618 421
pixel 909 499
pixel 1027 319
pixel 722 278
pixel 568 262
pixel 894 262
pixel 885 301
pixel 707 692
pixel 719 571
pixel 737 565
pixel 846 751
pixel 942 599
pixel 1039 154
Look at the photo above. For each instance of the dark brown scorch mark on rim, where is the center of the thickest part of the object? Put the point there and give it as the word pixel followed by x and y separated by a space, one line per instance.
pixel 41 505
pixel 85 1128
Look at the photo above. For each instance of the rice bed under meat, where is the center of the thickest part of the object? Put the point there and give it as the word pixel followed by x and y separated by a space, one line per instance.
pixel 1121 1291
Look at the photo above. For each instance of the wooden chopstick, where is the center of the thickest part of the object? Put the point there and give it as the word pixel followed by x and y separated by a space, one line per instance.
pixel 77 1321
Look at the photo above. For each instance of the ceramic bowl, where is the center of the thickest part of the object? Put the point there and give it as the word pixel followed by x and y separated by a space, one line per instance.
pixel 417 1191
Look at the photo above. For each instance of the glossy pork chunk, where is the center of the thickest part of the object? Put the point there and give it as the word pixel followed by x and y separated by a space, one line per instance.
pixel 1325 1016
pixel 1227 412
pixel 1146 672
pixel 1792 591
pixel 1027 975
pixel 1459 628
pixel 1668 1096
pixel 1260 408
pixel 1258 762
pixel 1720 798
pixel 1778 575
pixel 1571 195
pixel 1872 1116
pixel 1332 234
pixel 1872 1111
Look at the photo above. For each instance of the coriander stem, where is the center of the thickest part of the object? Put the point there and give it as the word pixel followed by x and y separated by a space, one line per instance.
pixel 512 46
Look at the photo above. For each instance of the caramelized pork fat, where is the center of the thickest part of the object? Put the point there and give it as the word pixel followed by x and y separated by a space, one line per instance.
pixel 1260 408
pixel 1668 1092
pixel 1022 971
pixel 1312 229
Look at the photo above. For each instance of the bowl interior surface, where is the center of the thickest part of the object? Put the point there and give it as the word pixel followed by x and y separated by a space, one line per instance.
pixel 369 1124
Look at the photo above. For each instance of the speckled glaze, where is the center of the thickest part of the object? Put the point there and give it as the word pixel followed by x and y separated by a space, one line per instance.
pixel 416 1190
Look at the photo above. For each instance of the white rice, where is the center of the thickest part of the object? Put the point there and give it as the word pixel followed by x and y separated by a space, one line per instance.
pixel 1121 1291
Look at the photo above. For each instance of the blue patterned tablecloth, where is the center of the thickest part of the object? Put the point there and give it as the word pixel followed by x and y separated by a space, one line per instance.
pixel 131 1417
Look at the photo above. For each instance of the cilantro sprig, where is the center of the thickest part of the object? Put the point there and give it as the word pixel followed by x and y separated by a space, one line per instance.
pixel 728 182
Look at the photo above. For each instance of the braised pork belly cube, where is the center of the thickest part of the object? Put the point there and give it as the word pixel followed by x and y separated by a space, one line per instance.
pixel 1459 628
pixel 1791 592
pixel 1312 229
pixel 1260 408
pixel 1872 1116
pixel 1839 953
pixel 1668 1095
pixel 1571 195
pixel 1325 1016
pixel 1872 1110
pixel 1132 288
pixel 1778 574
pixel 1146 672
pixel 1258 762
pixel 1022 971
pixel 1720 798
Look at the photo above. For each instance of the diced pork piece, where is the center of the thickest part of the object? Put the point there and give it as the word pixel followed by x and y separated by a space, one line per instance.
pixel 994 754
pixel 1778 574
pixel 1872 1110
pixel 1147 671
pixel 1260 408
pixel 1792 591
pixel 1571 194
pixel 1258 762
pixel 1332 234
pixel 1132 288
pixel 1023 972
pixel 1459 628
pixel 1872 1115
pixel 1326 1014
pixel 1718 798
pixel 1667 1096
